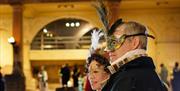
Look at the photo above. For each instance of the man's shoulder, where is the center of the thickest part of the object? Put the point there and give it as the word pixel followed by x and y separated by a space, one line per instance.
pixel 135 79
pixel 117 80
pixel 110 82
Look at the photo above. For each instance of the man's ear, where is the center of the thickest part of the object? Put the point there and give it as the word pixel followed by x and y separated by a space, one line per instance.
pixel 135 42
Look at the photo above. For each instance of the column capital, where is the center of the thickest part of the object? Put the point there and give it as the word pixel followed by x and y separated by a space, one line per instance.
pixel 17 8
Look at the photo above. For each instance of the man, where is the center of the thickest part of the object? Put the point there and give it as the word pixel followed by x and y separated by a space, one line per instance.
pixel 131 68
pixel 65 72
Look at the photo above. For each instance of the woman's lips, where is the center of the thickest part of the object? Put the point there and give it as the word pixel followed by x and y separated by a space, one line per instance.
pixel 94 82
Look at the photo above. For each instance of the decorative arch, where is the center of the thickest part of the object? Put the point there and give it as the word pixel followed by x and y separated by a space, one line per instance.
pixel 86 26
pixel 42 24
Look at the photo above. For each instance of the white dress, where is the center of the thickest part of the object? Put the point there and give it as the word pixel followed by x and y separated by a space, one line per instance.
pixel 43 77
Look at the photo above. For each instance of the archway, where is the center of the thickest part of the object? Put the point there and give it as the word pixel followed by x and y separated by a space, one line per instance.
pixel 65 33
pixel 61 34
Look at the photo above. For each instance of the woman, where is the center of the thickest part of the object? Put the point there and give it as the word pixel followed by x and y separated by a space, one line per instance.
pixel 97 74
pixel 43 77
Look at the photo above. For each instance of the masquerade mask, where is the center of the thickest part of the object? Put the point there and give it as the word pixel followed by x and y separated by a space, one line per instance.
pixel 114 43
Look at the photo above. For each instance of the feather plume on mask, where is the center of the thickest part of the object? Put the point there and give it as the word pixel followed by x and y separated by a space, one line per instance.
pixel 102 12
pixel 95 38
pixel 97 34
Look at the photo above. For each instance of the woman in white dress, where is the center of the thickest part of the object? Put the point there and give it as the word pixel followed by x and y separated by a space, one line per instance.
pixel 43 77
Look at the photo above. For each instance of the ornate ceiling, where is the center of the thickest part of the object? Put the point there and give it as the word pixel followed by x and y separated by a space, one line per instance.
pixel 38 6
pixel 43 1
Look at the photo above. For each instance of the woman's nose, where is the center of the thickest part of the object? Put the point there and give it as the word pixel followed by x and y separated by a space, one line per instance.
pixel 91 76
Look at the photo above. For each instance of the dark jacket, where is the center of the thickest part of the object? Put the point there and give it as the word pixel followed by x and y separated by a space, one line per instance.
pixel 2 83
pixel 176 80
pixel 137 75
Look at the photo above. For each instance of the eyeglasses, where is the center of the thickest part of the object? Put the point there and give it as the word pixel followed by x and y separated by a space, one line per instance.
pixel 114 43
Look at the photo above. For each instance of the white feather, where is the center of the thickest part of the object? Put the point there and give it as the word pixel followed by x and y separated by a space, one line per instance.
pixel 95 37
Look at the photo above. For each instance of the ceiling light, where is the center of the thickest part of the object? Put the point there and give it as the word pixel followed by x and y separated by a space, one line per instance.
pixel 51 35
pixel 45 30
pixel 77 24
pixel 67 24
pixel 48 34
pixel 11 40
pixel 72 24
pixel 48 46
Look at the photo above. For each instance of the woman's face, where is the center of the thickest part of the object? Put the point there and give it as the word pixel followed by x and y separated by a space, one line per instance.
pixel 96 75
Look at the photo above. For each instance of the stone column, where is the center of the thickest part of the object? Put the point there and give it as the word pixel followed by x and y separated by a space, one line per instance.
pixel 17 34
pixel 16 81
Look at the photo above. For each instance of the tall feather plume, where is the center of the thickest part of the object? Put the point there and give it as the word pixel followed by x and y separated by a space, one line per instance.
pixel 97 34
pixel 102 12
pixel 95 37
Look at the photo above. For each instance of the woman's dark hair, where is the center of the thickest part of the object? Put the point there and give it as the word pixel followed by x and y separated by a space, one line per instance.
pixel 100 59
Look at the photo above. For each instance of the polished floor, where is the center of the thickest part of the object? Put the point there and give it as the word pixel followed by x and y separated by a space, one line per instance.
pixel 52 87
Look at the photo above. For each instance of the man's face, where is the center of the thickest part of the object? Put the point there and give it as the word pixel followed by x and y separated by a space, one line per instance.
pixel 125 46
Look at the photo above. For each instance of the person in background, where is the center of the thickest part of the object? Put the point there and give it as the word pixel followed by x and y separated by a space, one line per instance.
pixel 176 68
pixel 131 68
pixel 2 82
pixel 97 74
pixel 60 77
pixel 65 71
pixel 164 74
pixel 80 82
pixel 43 77
pixel 75 76
pixel 176 78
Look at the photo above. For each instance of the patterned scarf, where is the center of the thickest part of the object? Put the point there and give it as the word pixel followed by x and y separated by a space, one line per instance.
pixel 129 56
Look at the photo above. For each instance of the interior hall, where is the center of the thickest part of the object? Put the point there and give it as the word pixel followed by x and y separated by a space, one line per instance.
pixel 51 34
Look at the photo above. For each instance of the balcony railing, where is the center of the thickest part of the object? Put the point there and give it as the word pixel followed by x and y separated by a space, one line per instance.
pixel 65 42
